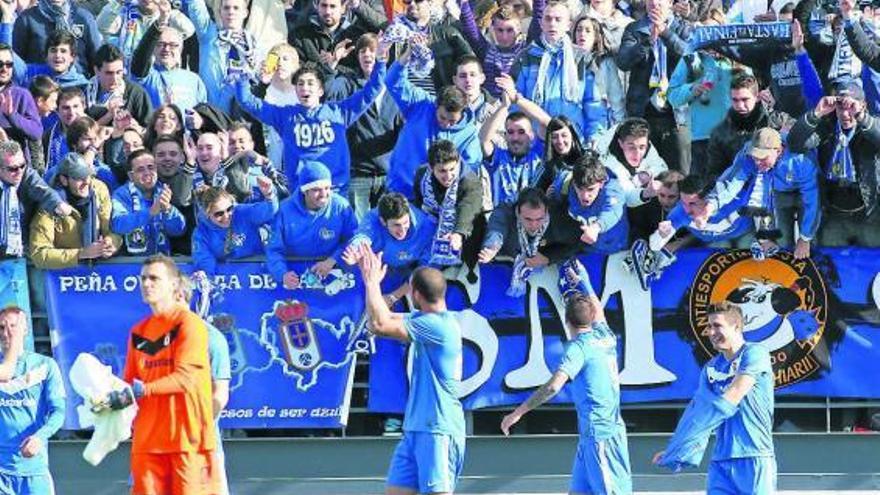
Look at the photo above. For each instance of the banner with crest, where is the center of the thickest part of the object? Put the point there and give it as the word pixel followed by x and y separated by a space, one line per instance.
pixel 291 351
pixel 819 319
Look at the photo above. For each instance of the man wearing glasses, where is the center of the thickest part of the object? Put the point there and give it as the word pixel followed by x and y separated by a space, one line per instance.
pixel 19 119
pixel 31 409
pixel 164 80
pixel 21 190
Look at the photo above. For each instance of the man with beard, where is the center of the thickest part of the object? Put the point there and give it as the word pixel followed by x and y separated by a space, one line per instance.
pixel 142 209
pixel 518 165
pixel 534 232
pixel 61 242
pixel 328 35
pixel 747 114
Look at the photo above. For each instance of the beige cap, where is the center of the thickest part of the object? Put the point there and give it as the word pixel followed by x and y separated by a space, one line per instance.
pixel 764 142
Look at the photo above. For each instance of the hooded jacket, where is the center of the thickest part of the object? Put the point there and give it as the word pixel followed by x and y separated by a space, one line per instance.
pixel 414 249
pixel 627 177
pixel 303 233
pixel 420 129
pixel 212 244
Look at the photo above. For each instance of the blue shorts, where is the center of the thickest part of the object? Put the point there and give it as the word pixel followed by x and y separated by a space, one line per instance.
pixel 601 467
pixel 427 462
pixel 748 475
pixel 40 484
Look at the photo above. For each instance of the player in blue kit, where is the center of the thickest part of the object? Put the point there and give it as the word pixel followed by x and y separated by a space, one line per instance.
pixel 31 410
pixel 430 456
pixel 601 465
pixel 315 131
pixel 734 399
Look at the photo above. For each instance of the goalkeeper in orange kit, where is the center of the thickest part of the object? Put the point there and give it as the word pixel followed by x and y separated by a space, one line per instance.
pixel 167 367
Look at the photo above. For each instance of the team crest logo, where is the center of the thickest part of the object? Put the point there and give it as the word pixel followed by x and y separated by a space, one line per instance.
pixel 77 30
pixel 297 335
pixel 326 234
pixel 784 304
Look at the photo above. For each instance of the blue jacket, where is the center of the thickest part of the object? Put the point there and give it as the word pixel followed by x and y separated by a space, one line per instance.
pixel 188 88
pixel 414 249
pixel 609 210
pixel 212 63
pixel 31 31
pixel 307 234
pixel 420 129
pixel 726 224
pixel 588 114
pixel 212 244
pixel 143 234
pixel 31 403
pixel 25 72
pixel 704 115
pixel 318 134
pixel 792 172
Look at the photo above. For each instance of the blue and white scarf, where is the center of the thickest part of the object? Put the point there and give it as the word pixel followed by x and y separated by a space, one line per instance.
pixel 841 168
pixel 842 63
pixel 515 174
pixel 659 81
pixel 401 30
pixel 570 83
pixel 94 96
pixel 140 240
pixel 57 146
pixel 446 215
pixel 89 231
pixel 528 246
pixel 61 14
pixel 238 48
pixel 131 31
pixel 10 216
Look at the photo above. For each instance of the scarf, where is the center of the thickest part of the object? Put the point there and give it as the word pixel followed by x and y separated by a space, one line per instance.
pixel 442 253
pixel 88 210
pixel 10 216
pixel 570 79
pixel 61 14
pixel 841 168
pixel 139 240
pixel 94 96
pixel 57 146
pixel 132 29
pixel 528 246
pixel 514 175
pixel 238 47
pixel 421 60
pixel 760 206
pixel 841 64
pixel 659 80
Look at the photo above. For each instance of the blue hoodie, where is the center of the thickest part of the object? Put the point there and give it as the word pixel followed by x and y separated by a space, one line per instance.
pixel 143 234
pixel 212 244
pixel 414 249
pixel 420 129
pixel 303 233
pixel 792 172
pixel 317 134
pixel 608 209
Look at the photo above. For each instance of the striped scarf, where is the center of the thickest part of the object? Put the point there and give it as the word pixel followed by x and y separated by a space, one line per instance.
pixel 10 221
pixel 841 168
pixel 842 63
pixel 659 80
pixel 528 248
pixel 570 80
pixel 61 14
pixel 239 46
pixel 88 208
pixel 442 253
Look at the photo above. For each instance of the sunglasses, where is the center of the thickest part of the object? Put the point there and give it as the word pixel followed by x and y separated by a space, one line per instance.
pixel 7 65
pixel 15 170
pixel 408 2
pixel 223 213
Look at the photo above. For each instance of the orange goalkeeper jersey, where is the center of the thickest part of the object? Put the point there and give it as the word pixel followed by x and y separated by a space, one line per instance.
pixel 169 353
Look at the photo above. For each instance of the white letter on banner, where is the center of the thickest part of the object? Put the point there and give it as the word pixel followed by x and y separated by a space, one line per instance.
pixel 535 372
pixel 65 282
pixel 476 328
pixel 255 281
pixel 639 364
pixel 130 283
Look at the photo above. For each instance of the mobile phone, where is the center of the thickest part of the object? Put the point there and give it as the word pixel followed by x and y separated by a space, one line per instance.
pixel 272 62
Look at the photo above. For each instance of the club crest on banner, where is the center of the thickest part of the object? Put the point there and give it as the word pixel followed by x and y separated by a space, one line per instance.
pixel 784 304
pixel 296 334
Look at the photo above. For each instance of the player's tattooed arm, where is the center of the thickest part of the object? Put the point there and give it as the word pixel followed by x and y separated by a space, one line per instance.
pixel 546 392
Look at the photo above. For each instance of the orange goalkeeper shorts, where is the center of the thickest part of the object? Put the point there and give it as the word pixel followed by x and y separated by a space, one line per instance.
pixel 183 473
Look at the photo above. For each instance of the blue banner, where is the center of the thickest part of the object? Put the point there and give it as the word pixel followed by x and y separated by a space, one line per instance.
pixel 14 290
pixel 763 34
pixel 818 318
pixel 291 364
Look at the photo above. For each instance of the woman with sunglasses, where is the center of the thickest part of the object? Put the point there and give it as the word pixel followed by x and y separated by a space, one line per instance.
pixel 226 230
